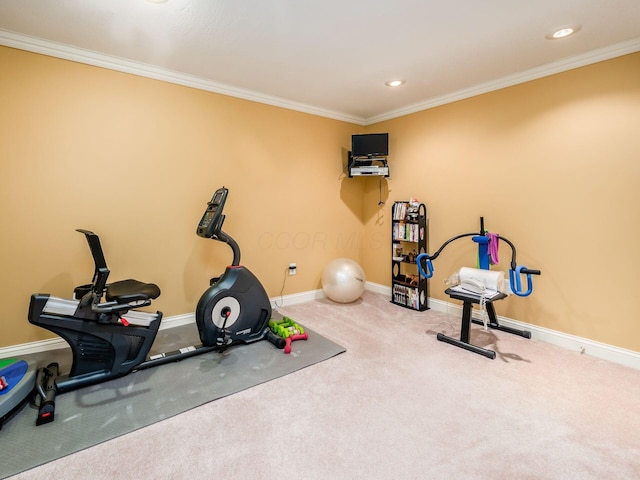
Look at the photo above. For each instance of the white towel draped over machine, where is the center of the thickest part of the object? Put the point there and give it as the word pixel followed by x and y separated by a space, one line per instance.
pixel 492 280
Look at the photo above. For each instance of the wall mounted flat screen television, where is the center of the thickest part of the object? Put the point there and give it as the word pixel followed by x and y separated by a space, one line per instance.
pixel 370 145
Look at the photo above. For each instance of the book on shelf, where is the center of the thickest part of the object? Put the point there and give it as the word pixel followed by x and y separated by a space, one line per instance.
pixel 403 211
pixel 408 232
pixel 408 296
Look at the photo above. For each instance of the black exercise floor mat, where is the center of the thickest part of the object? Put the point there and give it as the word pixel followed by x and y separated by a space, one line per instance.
pixel 99 413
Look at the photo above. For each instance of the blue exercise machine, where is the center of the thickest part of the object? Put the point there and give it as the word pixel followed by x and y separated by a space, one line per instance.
pixel 17 380
pixel 519 286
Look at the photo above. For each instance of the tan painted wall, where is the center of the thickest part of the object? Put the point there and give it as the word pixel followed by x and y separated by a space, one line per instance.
pixel 136 160
pixel 551 164
pixel 554 166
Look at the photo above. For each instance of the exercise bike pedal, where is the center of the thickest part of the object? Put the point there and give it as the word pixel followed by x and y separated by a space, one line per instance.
pixel 275 339
pixel 225 339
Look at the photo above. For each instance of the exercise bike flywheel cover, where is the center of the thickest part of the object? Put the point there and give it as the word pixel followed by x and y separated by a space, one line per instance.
pixel 225 303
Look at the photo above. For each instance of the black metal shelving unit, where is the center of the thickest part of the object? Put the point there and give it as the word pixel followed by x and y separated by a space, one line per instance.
pixel 409 233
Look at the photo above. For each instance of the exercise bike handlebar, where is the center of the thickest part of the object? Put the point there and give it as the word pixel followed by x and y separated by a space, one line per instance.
pixel 223 237
pixel 115 307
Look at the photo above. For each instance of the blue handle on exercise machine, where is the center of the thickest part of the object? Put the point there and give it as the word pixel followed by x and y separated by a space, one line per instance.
pixel 429 272
pixel 516 284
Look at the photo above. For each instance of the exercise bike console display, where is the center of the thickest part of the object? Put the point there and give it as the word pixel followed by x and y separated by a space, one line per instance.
pixel 212 219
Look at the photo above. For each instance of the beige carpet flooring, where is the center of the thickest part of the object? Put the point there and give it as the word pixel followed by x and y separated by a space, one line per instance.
pixel 397 405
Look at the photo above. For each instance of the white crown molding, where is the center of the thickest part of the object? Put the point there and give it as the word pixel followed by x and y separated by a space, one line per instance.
pixel 67 52
pixel 600 55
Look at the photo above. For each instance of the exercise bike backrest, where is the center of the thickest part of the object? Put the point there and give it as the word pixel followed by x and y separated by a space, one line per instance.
pixel 120 296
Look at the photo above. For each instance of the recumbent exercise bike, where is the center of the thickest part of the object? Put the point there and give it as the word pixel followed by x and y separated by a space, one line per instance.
pixel 110 338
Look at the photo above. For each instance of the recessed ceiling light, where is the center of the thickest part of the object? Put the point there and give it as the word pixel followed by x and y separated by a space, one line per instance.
pixel 563 32
pixel 394 83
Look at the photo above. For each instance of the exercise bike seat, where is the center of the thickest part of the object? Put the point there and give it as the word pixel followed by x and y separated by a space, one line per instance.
pixel 122 292
pixel 127 291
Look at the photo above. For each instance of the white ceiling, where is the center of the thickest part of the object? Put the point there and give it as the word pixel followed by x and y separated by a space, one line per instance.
pixel 329 57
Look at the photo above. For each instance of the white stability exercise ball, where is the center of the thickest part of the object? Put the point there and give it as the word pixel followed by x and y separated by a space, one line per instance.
pixel 343 280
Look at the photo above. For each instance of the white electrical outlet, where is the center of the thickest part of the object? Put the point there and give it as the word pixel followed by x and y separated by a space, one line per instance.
pixel 292 268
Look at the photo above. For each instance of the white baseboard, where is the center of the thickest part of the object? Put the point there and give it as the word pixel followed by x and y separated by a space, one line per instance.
pixel 377 288
pixel 603 351
pixel 167 322
pixel 621 356
pixel 56 343
pixel 32 347
pixel 296 298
